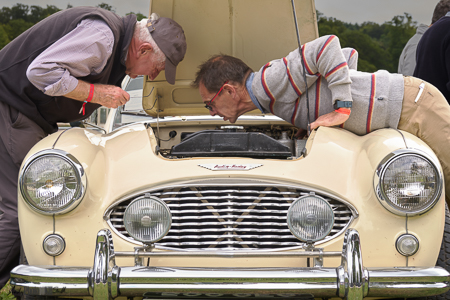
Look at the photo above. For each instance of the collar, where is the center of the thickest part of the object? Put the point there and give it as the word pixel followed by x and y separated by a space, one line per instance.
pixel 248 85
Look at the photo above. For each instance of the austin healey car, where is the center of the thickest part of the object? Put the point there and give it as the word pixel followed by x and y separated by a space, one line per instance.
pixel 168 202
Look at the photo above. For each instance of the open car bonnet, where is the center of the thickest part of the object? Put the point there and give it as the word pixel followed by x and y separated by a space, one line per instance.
pixel 256 31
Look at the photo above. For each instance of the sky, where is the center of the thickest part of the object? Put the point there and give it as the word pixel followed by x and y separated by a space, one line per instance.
pixel 351 11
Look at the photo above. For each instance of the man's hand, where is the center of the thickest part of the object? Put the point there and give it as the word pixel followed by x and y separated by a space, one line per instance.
pixel 331 119
pixel 107 95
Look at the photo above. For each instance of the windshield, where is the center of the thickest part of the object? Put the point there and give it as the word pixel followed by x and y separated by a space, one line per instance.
pixel 132 111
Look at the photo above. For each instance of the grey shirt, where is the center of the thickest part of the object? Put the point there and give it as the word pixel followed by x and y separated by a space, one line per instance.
pixel 407 61
pixel 55 70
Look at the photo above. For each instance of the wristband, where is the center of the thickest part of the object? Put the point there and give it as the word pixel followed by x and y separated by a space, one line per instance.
pixel 342 104
pixel 344 111
pixel 89 98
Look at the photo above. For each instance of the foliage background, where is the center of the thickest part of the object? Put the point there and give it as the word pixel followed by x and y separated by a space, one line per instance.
pixel 18 18
pixel 379 46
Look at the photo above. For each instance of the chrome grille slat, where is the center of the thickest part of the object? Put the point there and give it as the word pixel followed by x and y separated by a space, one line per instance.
pixel 231 243
pixel 215 198
pixel 240 204
pixel 227 191
pixel 229 217
pixel 229 210
pixel 227 229
pixel 222 236
pixel 231 223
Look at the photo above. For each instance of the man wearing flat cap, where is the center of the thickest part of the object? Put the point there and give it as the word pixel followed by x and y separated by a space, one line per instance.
pixel 61 70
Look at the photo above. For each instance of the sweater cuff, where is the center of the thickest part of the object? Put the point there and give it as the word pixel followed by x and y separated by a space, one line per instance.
pixel 341 92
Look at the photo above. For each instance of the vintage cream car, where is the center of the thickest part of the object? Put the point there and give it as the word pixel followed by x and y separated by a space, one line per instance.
pixel 182 205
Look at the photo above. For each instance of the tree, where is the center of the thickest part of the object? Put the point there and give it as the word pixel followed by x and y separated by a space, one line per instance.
pixel 139 16
pixel 20 11
pixel 398 32
pixel 379 46
pixel 3 37
pixel 15 27
pixel 5 15
pixel 106 6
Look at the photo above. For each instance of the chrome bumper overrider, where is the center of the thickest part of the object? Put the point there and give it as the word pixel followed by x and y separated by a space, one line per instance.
pixel 350 280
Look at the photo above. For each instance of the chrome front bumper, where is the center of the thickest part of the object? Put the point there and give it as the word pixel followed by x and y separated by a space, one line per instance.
pixel 350 280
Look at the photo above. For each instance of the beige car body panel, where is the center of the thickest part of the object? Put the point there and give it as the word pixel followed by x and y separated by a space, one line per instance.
pixel 107 160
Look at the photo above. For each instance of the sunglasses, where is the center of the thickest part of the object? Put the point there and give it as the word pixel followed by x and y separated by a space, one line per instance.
pixel 208 106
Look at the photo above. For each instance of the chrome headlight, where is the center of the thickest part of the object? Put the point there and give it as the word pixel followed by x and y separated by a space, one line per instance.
pixel 408 183
pixel 310 218
pixel 52 182
pixel 147 219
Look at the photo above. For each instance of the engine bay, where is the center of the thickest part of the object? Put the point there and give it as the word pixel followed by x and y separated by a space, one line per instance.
pixel 253 141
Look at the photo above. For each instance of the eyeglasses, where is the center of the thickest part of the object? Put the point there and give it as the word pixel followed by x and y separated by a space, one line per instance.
pixel 208 106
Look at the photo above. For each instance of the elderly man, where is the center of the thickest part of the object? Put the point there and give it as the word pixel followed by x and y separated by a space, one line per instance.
pixel 338 94
pixel 61 70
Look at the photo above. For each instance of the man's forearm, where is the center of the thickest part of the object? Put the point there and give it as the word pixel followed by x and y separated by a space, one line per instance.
pixel 107 95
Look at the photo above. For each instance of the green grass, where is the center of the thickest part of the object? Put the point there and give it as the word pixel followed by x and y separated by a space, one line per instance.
pixel 5 293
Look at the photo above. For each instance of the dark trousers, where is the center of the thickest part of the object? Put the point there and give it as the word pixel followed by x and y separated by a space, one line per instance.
pixel 17 135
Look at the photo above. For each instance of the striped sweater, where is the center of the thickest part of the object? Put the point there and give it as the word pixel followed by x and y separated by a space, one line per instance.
pixel 331 75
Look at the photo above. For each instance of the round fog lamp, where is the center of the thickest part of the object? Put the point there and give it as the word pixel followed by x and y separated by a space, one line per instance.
pixel 147 219
pixel 54 245
pixel 310 218
pixel 407 245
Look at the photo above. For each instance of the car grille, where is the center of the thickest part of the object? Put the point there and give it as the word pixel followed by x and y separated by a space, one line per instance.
pixel 229 217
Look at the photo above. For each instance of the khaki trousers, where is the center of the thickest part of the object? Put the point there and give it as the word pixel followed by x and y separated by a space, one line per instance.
pixel 429 120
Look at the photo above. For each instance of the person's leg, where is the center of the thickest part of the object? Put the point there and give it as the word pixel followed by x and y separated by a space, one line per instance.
pixel 9 227
pixel 428 119
pixel 17 135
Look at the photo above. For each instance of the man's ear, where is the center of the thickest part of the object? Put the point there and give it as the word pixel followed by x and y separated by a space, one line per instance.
pixel 144 49
pixel 231 90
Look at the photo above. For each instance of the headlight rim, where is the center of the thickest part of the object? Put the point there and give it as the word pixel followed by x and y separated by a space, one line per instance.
pixel 381 169
pixel 80 173
pixel 402 237
pixel 57 236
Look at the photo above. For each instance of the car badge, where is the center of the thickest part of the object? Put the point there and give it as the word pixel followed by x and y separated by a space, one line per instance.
pixel 230 167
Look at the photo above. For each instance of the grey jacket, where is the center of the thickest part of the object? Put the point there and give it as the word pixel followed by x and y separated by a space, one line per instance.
pixel 331 75
pixel 407 61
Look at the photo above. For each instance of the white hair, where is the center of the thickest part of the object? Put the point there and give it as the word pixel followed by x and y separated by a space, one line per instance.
pixel 143 35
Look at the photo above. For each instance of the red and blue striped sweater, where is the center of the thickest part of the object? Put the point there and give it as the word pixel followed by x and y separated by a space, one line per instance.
pixel 331 75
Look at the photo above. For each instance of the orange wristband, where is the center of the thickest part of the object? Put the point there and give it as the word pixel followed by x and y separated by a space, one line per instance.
pixel 89 98
pixel 344 111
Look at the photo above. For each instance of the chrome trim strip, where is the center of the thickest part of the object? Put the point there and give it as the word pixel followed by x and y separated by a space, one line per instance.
pixel 230 254
pixel 351 280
